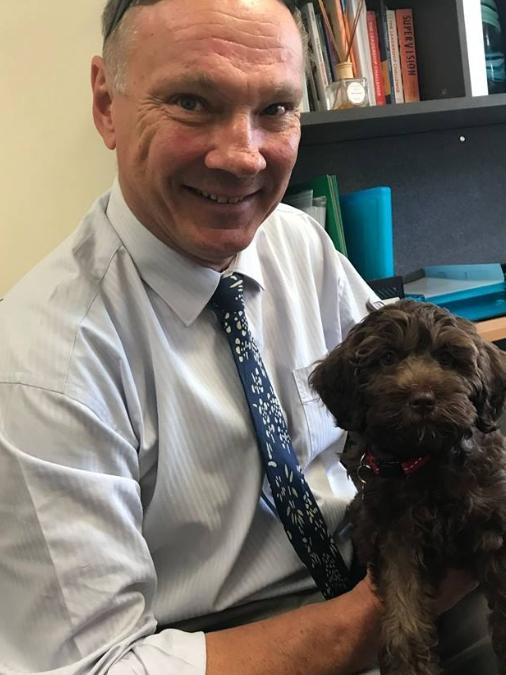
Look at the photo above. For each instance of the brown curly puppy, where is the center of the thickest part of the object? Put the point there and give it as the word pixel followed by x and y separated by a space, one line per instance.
pixel 421 393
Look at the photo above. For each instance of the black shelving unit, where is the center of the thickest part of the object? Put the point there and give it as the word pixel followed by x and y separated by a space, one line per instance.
pixel 444 157
pixel 320 128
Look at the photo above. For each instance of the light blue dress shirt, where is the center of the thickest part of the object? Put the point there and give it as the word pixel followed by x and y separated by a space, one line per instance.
pixel 130 479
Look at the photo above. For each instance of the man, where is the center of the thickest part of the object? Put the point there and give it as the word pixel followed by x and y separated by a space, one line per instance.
pixel 138 531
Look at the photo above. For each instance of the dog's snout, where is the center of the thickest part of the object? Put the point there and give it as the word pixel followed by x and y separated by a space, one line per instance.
pixel 422 401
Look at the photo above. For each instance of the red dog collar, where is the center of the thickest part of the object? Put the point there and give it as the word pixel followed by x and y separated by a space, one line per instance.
pixel 389 468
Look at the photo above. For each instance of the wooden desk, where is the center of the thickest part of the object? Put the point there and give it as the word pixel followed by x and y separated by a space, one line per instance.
pixel 493 329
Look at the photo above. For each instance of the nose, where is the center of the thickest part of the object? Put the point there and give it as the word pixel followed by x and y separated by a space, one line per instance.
pixel 422 402
pixel 236 147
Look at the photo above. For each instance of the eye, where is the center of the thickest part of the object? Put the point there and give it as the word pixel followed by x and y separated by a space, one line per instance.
pixel 445 358
pixel 278 109
pixel 188 102
pixel 388 358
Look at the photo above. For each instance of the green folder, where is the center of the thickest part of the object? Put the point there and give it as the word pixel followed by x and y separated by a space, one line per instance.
pixel 326 186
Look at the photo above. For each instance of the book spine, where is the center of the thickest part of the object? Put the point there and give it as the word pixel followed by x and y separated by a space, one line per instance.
pixel 332 54
pixel 320 74
pixel 305 105
pixel 372 32
pixel 362 38
pixel 386 65
pixel 360 46
pixel 395 57
pixel 475 46
pixel 323 41
pixel 407 49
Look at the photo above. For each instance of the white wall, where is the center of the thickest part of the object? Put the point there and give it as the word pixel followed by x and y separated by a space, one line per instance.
pixel 52 161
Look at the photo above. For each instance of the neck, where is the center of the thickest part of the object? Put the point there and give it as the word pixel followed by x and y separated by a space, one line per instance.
pixel 391 467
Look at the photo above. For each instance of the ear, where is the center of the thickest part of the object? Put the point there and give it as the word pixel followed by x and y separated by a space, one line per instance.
pixel 334 379
pixel 492 376
pixel 102 102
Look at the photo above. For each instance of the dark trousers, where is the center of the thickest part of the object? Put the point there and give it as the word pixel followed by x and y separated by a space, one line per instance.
pixel 465 647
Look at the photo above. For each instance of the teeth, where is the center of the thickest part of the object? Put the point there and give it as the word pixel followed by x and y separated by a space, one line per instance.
pixel 221 200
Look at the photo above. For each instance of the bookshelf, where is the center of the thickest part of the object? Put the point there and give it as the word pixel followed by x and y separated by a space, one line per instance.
pixel 397 119
pixel 444 157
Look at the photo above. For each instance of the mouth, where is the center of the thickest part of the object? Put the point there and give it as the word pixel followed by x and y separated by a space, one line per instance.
pixel 428 435
pixel 221 199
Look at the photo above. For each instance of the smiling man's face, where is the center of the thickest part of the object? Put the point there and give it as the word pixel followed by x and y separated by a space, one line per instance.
pixel 207 128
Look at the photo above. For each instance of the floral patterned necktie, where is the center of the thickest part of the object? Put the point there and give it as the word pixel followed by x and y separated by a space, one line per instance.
pixel 295 503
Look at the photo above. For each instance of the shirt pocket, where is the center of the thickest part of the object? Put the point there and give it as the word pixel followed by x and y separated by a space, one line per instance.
pixel 316 427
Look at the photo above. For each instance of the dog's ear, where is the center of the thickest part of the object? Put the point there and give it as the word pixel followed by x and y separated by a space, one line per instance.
pixel 492 377
pixel 334 379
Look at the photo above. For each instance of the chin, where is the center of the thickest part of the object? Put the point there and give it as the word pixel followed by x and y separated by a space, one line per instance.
pixel 224 245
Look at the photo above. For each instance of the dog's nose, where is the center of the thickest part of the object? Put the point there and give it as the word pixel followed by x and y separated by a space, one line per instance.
pixel 422 401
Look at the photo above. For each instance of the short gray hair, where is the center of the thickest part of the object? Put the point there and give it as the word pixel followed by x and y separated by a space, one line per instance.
pixel 116 33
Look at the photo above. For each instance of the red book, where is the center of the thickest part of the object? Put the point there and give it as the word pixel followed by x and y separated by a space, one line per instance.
pixel 409 66
pixel 372 33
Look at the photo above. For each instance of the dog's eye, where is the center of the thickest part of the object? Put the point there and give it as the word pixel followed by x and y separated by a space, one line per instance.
pixel 388 358
pixel 445 358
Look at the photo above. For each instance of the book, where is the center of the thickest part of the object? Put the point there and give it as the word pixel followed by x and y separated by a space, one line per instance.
pixel 360 47
pixel 395 58
pixel 324 186
pixel 316 207
pixel 314 103
pixel 325 51
pixel 384 46
pixel 331 51
pixel 305 105
pixel 372 31
pixel 316 50
pixel 407 50
pixel 475 47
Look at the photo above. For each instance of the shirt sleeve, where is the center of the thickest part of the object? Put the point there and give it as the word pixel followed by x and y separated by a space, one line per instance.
pixel 77 580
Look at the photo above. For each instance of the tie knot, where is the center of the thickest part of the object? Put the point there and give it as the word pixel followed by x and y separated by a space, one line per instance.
pixel 228 297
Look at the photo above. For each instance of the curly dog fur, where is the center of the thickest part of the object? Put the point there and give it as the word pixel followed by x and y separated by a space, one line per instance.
pixel 421 393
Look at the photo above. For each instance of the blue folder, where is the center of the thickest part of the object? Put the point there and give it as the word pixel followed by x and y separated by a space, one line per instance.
pixel 475 292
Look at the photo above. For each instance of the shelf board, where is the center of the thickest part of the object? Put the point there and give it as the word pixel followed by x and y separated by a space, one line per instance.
pixel 402 118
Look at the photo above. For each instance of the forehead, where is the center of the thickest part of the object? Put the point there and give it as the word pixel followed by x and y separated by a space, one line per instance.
pixel 251 36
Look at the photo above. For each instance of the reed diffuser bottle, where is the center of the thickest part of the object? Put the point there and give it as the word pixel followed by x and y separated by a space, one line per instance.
pixel 347 91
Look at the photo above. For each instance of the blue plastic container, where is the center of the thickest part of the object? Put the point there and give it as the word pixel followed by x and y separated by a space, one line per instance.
pixel 367 223
pixel 476 291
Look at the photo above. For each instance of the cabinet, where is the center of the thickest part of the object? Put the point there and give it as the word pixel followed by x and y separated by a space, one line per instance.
pixel 444 157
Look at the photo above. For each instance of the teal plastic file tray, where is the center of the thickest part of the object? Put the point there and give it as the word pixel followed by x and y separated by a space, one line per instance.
pixel 475 292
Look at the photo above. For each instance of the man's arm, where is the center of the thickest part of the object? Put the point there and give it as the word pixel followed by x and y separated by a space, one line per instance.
pixel 77 580
pixel 337 637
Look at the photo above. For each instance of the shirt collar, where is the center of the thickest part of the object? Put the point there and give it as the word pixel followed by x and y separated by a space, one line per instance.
pixel 183 284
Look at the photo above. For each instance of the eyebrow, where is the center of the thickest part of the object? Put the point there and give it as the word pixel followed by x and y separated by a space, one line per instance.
pixel 208 84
